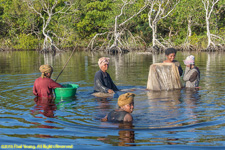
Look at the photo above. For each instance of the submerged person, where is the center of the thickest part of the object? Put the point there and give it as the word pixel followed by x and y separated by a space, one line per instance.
pixel 123 113
pixel 170 55
pixel 102 81
pixel 192 73
pixel 44 84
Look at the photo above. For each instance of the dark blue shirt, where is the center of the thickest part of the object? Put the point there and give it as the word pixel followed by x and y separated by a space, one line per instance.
pixel 103 82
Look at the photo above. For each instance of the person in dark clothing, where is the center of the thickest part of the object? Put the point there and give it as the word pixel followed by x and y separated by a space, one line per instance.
pixel 102 81
pixel 170 55
pixel 43 85
pixel 123 114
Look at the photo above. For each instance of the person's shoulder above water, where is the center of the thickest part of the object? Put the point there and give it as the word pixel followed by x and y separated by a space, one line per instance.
pixel 123 114
pixel 177 63
pixel 192 73
pixel 98 73
pixel 102 80
pixel 44 84
pixel 116 115
pixel 101 73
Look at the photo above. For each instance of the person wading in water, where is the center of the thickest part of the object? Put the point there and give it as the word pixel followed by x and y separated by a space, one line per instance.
pixel 44 84
pixel 123 113
pixel 170 55
pixel 192 73
pixel 102 81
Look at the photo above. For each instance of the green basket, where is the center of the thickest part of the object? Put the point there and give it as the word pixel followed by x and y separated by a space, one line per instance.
pixel 68 90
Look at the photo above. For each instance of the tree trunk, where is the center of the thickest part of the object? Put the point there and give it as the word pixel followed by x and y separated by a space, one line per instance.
pixel 208 11
pixel 158 10
pixel 189 28
pixel 208 32
pixel 115 33
pixel 154 31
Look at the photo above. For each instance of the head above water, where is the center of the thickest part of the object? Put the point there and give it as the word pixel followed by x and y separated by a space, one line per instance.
pixel 102 61
pixel 45 69
pixel 169 51
pixel 125 99
pixel 170 54
pixel 190 60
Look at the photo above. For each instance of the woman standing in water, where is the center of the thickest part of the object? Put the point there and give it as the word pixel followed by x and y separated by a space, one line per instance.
pixel 170 55
pixel 102 81
pixel 44 84
pixel 123 113
pixel 192 73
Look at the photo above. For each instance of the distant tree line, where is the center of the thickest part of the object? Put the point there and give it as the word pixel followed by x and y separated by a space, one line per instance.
pixel 54 25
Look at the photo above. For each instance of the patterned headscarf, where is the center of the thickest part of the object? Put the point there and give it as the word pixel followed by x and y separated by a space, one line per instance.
pixel 102 61
pixel 125 99
pixel 45 69
pixel 190 60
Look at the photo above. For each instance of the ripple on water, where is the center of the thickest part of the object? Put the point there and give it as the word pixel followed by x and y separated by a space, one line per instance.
pixel 161 119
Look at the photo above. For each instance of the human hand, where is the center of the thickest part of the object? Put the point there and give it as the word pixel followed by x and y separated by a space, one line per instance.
pixel 110 91
pixel 188 66
pixel 104 119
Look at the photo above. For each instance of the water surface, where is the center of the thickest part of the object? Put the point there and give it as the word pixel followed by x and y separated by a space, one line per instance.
pixel 179 119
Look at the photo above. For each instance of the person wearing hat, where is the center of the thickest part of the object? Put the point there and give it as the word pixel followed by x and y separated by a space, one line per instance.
pixel 192 73
pixel 44 84
pixel 170 55
pixel 123 113
pixel 102 81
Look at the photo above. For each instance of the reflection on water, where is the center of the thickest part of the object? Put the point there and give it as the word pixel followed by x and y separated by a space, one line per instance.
pixel 44 106
pixel 181 118
pixel 125 137
pixel 165 106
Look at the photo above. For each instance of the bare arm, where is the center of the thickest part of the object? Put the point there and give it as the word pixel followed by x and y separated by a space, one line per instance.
pixel 128 118
pixel 104 119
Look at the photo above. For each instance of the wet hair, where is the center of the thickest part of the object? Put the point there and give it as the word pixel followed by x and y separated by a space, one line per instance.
pixel 170 51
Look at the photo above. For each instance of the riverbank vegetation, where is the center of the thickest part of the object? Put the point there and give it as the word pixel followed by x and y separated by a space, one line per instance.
pixel 112 25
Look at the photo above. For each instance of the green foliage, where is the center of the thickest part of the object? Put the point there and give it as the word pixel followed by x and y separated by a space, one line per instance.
pixel 2 24
pixel 21 27
pixel 94 18
pixel 198 41
pixel 17 19
pixel 26 42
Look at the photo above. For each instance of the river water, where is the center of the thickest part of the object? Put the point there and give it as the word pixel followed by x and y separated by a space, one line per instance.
pixel 179 119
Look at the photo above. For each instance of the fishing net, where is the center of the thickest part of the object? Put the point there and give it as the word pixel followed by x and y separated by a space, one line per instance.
pixel 163 76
